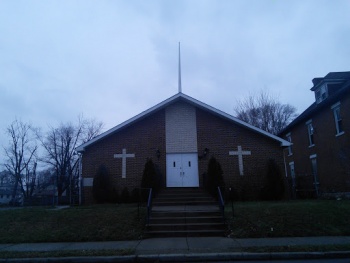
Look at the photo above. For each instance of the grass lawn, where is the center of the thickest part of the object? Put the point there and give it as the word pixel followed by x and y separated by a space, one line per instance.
pixel 288 219
pixel 121 222
pixel 84 223
pixel 69 253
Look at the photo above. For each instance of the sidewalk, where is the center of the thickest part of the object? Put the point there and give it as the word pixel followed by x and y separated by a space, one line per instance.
pixel 190 248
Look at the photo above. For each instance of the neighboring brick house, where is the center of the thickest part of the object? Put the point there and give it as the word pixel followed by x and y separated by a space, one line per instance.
pixel 318 162
pixel 180 134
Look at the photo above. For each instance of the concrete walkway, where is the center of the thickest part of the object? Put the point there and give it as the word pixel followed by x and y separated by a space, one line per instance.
pixel 190 248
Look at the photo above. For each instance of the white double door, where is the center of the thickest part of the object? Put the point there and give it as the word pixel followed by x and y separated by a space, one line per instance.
pixel 182 170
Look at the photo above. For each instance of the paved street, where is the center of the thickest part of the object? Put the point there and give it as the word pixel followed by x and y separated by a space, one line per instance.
pixel 291 261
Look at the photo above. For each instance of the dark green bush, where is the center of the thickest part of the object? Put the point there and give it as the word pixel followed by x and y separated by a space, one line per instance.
pixel 101 188
pixel 125 196
pixel 114 196
pixel 151 177
pixel 214 176
pixel 135 195
pixel 274 184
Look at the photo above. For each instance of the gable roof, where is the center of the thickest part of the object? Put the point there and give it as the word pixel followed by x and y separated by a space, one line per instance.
pixel 314 108
pixel 185 98
pixel 331 77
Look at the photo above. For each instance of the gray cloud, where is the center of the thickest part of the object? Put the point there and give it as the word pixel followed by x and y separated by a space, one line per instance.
pixel 113 59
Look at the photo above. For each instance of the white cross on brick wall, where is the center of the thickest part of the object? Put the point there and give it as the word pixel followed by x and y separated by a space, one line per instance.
pixel 124 155
pixel 240 154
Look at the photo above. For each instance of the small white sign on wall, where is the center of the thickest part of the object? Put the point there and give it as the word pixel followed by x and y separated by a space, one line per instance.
pixel 88 181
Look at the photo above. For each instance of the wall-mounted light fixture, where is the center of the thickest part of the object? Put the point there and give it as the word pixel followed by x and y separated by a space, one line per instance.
pixel 205 153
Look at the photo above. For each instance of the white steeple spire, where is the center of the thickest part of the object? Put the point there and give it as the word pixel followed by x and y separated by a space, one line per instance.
pixel 179 83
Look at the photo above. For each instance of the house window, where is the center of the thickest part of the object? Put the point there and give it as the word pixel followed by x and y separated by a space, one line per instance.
pixel 292 175
pixel 290 149
pixel 310 130
pixel 321 94
pixel 314 173
pixel 337 118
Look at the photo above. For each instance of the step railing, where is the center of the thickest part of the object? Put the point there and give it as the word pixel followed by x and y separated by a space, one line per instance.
pixel 221 204
pixel 145 196
pixel 149 205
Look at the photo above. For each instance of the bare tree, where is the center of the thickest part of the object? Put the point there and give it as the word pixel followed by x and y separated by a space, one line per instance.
pixel 59 145
pixel 265 112
pixel 6 178
pixel 21 157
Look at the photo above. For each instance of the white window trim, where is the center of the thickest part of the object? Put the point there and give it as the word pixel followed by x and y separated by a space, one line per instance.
pixel 290 151
pixel 335 105
pixel 308 133
pixel 334 108
pixel 313 156
pixel 290 164
pixel 339 134
pixel 320 98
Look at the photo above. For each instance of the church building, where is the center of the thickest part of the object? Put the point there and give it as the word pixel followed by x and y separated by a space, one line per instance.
pixel 180 134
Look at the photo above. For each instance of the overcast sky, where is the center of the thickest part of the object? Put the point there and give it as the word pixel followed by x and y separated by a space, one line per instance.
pixel 111 60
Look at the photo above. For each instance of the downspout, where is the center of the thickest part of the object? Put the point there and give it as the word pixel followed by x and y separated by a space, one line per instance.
pixel 80 178
pixel 285 164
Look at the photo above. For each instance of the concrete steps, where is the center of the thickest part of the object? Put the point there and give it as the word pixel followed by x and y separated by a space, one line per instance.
pixel 179 212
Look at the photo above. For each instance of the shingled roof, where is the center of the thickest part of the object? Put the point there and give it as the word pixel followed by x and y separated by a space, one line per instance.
pixel 181 97
pixel 343 78
pixel 331 77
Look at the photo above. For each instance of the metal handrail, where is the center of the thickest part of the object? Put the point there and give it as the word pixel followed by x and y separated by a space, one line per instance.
pixel 221 203
pixel 149 205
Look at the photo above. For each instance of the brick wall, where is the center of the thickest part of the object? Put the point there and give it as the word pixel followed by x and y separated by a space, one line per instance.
pixel 221 136
pixel 332 152
pixel 142 138
pixel 146 136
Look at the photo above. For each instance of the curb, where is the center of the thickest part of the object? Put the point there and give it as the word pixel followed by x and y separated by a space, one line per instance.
pixel 195 257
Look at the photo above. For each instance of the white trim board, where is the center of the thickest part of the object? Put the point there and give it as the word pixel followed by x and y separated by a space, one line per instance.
pixel 182 97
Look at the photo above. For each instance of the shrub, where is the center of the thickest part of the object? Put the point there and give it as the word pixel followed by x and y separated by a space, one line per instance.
pixel 125 196
pixel 274 184
pixel 135 195
pixel 151 177
pixel 114 198
pixel 214 176
pixel 101 188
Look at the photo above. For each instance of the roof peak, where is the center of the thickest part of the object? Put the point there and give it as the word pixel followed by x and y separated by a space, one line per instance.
pixel 181 96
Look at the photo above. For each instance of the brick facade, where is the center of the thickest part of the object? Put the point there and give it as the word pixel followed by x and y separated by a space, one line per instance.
pixel 330 150
pixel 145 136
pixel 221 136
